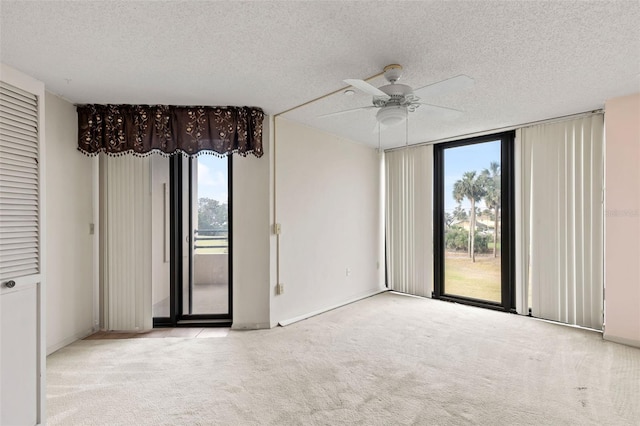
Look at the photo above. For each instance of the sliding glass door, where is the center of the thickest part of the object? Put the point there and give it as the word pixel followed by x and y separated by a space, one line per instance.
pixel 473 220
pixel 197 290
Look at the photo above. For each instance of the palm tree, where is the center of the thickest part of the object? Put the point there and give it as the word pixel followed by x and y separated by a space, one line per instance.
pixel 492 198
pixel 459 213
pixel 448 219
pixel 471 187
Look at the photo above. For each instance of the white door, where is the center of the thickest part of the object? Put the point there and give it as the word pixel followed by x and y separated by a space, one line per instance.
pixel 22 345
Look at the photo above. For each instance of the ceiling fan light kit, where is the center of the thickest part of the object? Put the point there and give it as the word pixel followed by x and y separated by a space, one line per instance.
pixel 391 115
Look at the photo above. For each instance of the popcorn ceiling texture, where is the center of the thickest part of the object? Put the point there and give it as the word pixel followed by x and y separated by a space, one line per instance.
pixel 386 360
pixel 530 60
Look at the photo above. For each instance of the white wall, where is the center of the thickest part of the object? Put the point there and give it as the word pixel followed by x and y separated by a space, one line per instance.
pixel 251 251
pixel 328 204
pixel 69 211
pixel 622 220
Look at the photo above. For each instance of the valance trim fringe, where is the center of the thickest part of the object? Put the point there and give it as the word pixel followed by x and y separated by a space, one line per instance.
pixel 142 130
pixel 165 154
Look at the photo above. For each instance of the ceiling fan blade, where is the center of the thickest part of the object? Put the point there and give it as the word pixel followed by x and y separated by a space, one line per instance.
pixel 367 88
pixel 450 85
pixel 346 111
pixel 440 107
pixel 445 113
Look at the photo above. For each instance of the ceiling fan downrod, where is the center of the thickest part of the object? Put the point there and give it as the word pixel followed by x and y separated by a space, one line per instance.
pixel 392 72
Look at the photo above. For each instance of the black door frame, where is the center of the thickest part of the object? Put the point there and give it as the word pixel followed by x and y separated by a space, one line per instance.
pixel 507 237
pixel 176 266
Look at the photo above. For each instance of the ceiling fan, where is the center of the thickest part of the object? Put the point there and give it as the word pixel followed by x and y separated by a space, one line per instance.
pixel 395 101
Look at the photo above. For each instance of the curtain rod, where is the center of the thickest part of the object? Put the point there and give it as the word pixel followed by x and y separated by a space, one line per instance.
pixel 502 129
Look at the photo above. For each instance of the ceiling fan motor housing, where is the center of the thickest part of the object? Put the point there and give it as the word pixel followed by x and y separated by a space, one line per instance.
pixel 399 95
pixel 401 100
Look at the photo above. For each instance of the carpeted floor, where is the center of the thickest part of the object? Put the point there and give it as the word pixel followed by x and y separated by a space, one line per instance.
pixel 386 360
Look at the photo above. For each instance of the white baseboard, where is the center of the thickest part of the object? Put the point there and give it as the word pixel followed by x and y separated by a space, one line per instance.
pixel 284 323
pixel 399 293
pixel 622 340
pixel 69 340
pixel 250 326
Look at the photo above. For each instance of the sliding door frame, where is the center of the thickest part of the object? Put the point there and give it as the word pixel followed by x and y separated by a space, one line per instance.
pixel 177 318
pixel 507 234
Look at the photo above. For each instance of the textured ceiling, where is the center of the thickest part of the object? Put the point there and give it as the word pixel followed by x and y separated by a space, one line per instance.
pixel 530 60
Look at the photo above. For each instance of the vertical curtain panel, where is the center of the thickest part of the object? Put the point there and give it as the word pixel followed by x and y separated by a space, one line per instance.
pixel 126 243
pixel 562 174
pixel 409 212
pixel 142 129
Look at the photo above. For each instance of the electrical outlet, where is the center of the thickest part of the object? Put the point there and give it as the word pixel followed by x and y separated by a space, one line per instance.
pixel 92 229
pixel 348 272
pixel 279 288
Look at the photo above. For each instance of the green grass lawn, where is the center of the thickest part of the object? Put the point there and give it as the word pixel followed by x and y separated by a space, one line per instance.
pixel 479 280
pixel 490 245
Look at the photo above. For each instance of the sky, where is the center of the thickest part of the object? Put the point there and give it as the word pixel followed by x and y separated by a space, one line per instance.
pixel 463 159
pixel 212 177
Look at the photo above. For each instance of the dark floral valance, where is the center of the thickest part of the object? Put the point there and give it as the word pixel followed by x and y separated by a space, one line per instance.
pixel 143 129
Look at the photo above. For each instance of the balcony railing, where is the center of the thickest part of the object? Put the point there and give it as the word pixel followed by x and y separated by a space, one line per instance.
pixel 210 241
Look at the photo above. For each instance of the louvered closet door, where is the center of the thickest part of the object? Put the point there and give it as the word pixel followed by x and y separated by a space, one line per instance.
pixel 20 261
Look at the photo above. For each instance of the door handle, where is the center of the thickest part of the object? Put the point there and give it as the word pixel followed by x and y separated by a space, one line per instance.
pixel 10 284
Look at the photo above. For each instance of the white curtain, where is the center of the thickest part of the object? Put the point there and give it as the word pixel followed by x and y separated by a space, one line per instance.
pixel 409 241
pixel 560 215
pixel 126 242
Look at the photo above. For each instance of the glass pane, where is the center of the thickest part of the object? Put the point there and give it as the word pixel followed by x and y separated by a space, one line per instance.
pixel 160 236
pixel 210 250
pixel 186 232
pixel 472 221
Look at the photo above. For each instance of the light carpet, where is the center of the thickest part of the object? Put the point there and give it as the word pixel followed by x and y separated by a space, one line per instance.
pixel 389 359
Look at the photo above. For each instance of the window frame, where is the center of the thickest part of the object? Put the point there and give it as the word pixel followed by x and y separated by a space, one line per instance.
pixel 507 228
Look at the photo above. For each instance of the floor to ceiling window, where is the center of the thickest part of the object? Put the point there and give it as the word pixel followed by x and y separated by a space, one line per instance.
pixel 473 217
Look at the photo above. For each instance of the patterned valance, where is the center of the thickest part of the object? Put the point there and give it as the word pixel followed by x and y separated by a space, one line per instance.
pixel 143 129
